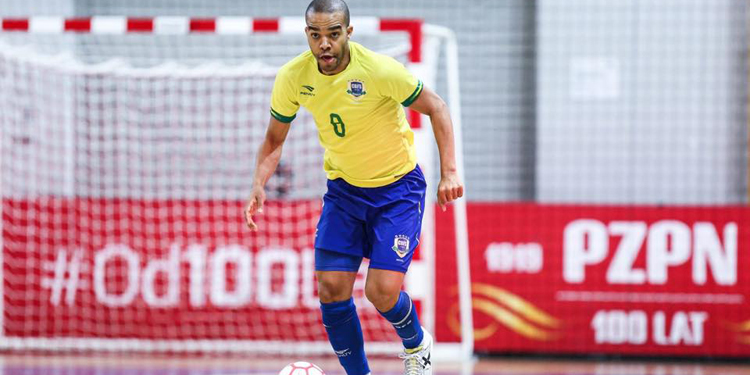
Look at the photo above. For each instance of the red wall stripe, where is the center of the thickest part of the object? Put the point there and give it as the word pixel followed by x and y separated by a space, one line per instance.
pixel 140 25
pixel 79 25
pixel 203 25
pixel 266 24
pixel 16 24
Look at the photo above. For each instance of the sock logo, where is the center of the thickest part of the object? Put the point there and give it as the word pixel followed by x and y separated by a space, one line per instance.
pixel 343 353
pixel 404 325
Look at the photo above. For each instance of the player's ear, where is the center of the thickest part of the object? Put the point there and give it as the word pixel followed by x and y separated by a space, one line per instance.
pixel 349 30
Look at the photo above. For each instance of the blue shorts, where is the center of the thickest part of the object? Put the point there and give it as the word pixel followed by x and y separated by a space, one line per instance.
pixel 382 224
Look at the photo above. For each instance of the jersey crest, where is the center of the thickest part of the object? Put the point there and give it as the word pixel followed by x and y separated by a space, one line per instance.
pixel 356 88
pixel 401 245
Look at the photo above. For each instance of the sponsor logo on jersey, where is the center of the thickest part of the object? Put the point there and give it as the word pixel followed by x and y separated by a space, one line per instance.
pixel 309 91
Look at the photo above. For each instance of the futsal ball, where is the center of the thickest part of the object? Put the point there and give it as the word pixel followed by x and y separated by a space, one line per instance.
pixel 301 368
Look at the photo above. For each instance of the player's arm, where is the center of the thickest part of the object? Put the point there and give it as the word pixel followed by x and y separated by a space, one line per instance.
pixel 432 105
pixel 269 154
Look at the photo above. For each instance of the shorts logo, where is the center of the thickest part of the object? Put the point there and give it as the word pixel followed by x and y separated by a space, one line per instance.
pixel 356 88
pixel 401 245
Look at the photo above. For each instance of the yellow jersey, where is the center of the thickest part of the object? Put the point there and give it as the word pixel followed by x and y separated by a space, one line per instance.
pixel 359 113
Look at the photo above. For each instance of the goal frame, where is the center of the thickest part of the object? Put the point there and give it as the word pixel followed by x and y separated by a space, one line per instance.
pixel 426 42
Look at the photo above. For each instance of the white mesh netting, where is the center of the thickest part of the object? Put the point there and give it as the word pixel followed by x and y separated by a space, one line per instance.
pixel 123 183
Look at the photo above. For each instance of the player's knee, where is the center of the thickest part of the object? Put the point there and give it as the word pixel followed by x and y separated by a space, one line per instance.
pixel 381 295
pixel 373 294
pixel 332 290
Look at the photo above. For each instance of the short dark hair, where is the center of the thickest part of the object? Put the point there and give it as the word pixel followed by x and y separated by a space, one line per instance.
pixel 328 6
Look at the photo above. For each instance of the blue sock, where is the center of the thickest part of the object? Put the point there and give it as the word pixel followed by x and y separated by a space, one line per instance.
pixel 345 334
pixel 404 318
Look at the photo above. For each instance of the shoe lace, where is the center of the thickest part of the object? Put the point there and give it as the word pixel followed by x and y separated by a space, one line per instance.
pixel 412 363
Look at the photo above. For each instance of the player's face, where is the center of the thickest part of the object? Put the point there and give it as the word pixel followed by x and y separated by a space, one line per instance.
pixel 328 38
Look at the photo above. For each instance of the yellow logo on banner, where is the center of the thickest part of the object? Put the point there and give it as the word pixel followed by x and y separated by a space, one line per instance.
pixel 517 314
pixel 743 331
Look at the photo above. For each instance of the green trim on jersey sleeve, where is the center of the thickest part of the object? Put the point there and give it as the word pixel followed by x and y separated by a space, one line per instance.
pixel 282 118
pixel 414 95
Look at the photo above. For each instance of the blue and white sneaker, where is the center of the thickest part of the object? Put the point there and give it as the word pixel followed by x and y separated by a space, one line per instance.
pixel 417 361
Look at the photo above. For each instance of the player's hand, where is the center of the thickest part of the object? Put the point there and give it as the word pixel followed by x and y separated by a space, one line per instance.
pixel 449 189
pixel 254 205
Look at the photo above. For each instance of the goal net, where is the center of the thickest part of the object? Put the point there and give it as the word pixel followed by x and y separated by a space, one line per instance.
pixel 127 152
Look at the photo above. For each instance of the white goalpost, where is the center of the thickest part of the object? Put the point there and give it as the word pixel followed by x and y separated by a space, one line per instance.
pixel 126 153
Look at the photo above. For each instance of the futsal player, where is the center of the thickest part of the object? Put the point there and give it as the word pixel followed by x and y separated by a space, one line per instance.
pixel 374 204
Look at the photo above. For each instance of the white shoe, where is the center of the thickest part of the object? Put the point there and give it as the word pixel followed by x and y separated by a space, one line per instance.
pixel 417 360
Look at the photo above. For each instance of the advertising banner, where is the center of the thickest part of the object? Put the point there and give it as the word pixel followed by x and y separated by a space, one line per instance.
pixel 164 270
pixel 545 278
pixel 604 279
